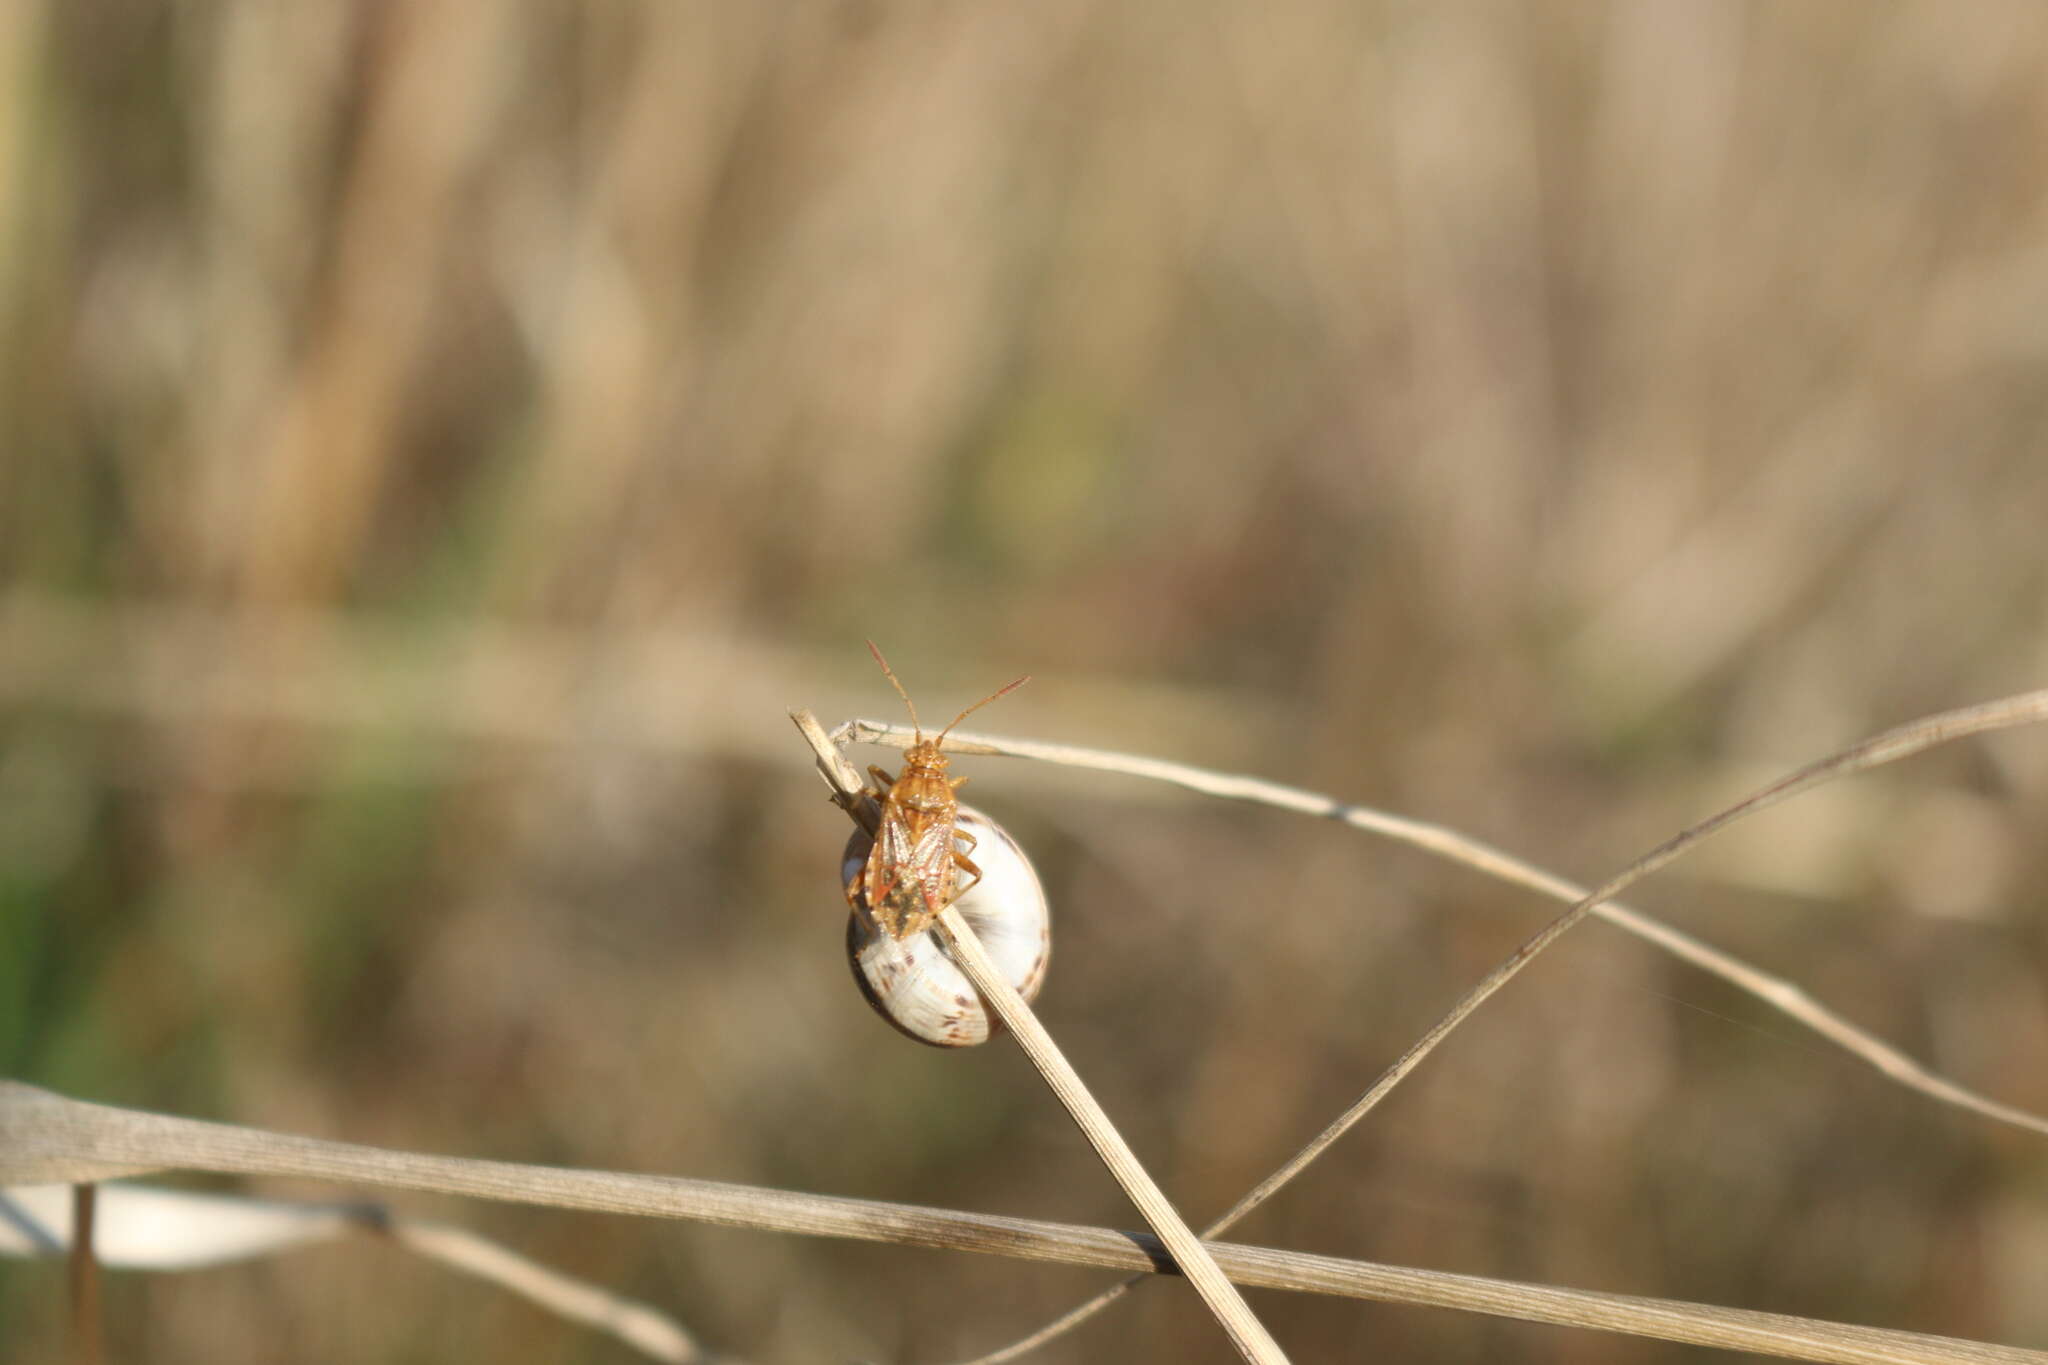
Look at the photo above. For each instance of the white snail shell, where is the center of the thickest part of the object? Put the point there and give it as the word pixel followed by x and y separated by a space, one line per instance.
pixel 913 983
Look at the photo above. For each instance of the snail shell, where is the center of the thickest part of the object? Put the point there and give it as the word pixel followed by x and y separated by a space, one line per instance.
pixel 913 983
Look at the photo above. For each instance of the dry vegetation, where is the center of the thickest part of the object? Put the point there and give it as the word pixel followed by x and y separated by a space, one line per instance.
pixel 441 440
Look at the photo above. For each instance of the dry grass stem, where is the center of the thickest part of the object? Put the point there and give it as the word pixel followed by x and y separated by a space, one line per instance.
pixel 144 1227
pixel 46 1137
pixel 1245 1331
pixel 1888 747
pixel 87 1346
pixel 1783 995
pixel 648 1330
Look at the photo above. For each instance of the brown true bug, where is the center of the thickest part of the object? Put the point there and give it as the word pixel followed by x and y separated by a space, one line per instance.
pixel 912 869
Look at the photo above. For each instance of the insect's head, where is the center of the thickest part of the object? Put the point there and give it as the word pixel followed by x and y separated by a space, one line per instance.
pixel 923 752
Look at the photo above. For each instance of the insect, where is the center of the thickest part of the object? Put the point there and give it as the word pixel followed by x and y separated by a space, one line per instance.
pixel 912 872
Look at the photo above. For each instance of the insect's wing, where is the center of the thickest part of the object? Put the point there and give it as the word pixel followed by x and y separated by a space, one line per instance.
pixel 882 880
pixel 909 875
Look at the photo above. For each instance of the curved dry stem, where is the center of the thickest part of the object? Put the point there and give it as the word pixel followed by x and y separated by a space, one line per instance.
pixel 1246 1332
pixel 1782 995
pixel 45 1137
pixel 1887 747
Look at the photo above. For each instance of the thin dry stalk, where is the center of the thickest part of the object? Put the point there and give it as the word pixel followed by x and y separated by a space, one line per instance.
pixel 87 1344
pixel 46 1138
pixel 150 1228
pixel 651 1332
pixel 1894 744
pixel 1776 991
pixel 1245 1331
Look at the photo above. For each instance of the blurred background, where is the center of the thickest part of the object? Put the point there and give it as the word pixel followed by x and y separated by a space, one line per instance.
pixel 442 440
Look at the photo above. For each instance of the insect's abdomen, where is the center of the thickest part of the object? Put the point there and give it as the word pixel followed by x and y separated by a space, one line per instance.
pixel 908 901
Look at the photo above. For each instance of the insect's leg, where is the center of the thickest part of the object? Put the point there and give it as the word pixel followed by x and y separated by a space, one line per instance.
pixel 885 781
pixel 958 783
pixel 965 864
pixel 959 834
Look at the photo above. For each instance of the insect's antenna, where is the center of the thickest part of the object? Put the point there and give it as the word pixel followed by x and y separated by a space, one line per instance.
pixel 914 724
pixel 1005 690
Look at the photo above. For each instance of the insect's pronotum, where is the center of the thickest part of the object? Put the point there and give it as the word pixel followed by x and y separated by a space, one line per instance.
pixel 913 870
